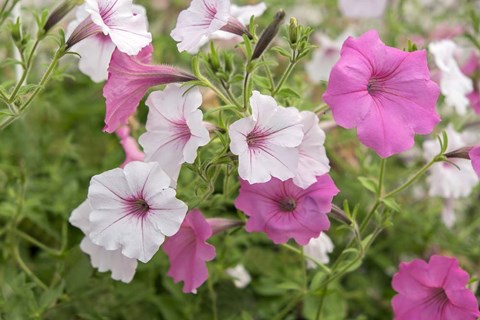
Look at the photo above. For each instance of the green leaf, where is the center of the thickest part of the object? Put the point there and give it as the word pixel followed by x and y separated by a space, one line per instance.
pixel 368 183
pixel 392 204
pixel 286 93
pixel 282 51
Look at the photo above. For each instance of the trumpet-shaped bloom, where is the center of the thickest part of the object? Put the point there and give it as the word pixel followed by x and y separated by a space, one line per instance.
pixel 116 19
pixel 454 84
pixel 134 209
pixel 384 92
pixel 129 145
pixel 312 160
pixel 471 67
pixel 266 142
pixel 188 252
pixel 129 79
pixel 475 158
pixel 434 290
pixel 319 248
pixel 175 128
pixel 96 51
pixel 362 8
pixel 283 210
pixel 196 24
pixel 122 268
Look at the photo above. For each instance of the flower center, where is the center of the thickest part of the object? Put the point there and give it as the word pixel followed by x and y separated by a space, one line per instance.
pixel 287 204
pixel 182 131
pixel 137 207
pixel 374 85
pixel 256 139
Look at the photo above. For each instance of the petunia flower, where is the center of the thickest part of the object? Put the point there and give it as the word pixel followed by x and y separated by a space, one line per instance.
pixel 266 142
pixel 241 277
pixel 116 19
pixel 454 84
pixel 434 290
pixel 188 252
pixel 385 93
pixel 362 8
pixel 283 210
pixel 201 20
pixel 129 145
pixel 122 268
pixel 325 57
pixel 96 51
pixel 175 128
pixel 134 209
pixel 475 158
pixel 129 79
pixel 472 69
pixel 318 248
pixel 312 157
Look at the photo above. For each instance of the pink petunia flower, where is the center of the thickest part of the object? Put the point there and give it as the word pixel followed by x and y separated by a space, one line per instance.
pixel 122 268
pixel 188 252
pixel 203 18
pixel 385 93
pixel 129 79
pixel 116 19
pixel 175 128
pixel 434 290
pixel 475 158
pixel 266 142
pixel 283 210
pixel 130 146
pixel 134 209
pixel 472 69
pixel 96 51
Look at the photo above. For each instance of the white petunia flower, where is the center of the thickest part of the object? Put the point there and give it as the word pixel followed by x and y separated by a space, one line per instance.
pixel 267 141
pixel 362 8
pixel 122 268
pixel 319 248
pixel 96 51
pixel 175 128
pixel 240 275
pixel 454 84
pixel 134 209
pixel 312 161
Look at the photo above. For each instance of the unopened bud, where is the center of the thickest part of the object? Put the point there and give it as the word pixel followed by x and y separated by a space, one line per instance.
pixel 268 35
pixel 340 215
pixel 16 31
pixel 293 31
pixel 60 12
pixel 462 153
pixel 221 224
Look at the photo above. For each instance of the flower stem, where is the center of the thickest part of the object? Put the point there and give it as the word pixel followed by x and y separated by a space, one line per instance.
pixel 37 243
pixel 27 67
pixel 27 270
pixel 300 252
pixel 286 74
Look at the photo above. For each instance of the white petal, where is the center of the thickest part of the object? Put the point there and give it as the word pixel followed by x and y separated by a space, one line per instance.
pixel 79 217
pixel 95 55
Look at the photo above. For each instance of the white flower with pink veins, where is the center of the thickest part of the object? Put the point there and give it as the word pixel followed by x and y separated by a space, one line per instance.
pixel 103 25
pixel 319 248
pixel 134 209
pixel 175 128
pixel 267 141
pixel 122 268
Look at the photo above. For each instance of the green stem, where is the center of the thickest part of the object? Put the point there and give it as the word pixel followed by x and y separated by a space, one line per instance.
pixel 245 89
pixel 285 75
pixel 269 74
pixel 213 298
pixel 25 73
pixel 27 270
pixel 296 300
pixel 219 93
pixel 37 243
pixel 230 94
pixel 300 252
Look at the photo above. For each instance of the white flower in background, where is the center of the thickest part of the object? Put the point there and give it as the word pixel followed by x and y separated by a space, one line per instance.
pixel 267 142
pixel 203 18
pixel 312 160
pixel 240 275
pixel 325 57
pixel 448 212
pixel 96 50
pixel 175 128
pixel 134 209
pixel 319 248
pixel 362 8
pixel 122 268
pixel 454 84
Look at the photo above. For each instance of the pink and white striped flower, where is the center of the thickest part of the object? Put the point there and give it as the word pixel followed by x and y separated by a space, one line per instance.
pixel 175 128
pixel 134 209
pixel 267 142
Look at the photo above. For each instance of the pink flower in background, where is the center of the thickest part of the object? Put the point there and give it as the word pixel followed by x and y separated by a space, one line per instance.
pixel 472 68
pixel 122 268
pixel 204 17
pixel 134 209
pixel 384 92
pixel 362 8
pixel 434 290
pixel 266 142
pixel 116 19
pixel 283 210
pixel 475 158
pixel 96 51
pixel 129 79
pixel 312 157
pixel 188 252
pixel 175 128
pixel 130 146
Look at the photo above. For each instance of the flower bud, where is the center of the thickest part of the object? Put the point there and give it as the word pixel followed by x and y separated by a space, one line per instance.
pixel 462 153
pixel 60 12
pixel 293 31
pixel 221 224
pixel 340 215
pixel 268 35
